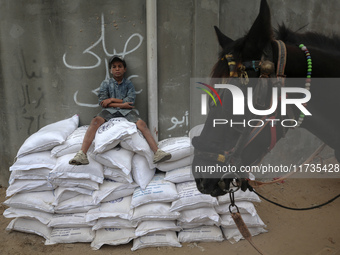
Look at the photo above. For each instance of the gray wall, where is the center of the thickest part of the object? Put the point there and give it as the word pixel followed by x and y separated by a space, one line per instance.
pixel 53 53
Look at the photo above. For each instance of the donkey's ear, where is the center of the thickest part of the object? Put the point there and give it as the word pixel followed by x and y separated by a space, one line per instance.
pixel 223 40
pixel 261 32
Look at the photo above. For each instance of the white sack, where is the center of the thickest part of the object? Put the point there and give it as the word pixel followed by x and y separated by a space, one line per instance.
pixel 146 227
pixel 110 189
pixel 64 193
pixel 111 133
pixel 41 201
pixel 43 217
pixel 32 174
pixel 117 174
pixel 117 157
pixel 233 235
pixel 30 226
pixel 199 215
pixel 191 198
pixel 157 239
pixel 137 143
pixel 158 190
pixel 141 172
pixel 72 144
pixel 28 186
pixel 112 236
pixel 34 161
pixel 182 174
pixel 251 221
pixel 75 183
pixel 70 220
pixel 119 193
pixel 71 235
pixel 49 136
pixel 116 208
pixel 63 170
pixel 207 222
pixel 154 211
pixel 77 204
pixel 196 131
pixel 201 234
pixel 179 147
pixel 114 222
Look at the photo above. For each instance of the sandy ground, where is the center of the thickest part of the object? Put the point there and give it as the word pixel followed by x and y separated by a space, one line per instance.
pixel 314 232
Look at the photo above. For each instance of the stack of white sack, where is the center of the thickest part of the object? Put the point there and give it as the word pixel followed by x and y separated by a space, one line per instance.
pixel 52 198
pixel 156 223
pixel 113 222
pixel 111 182
pixel 244 202
pixel 32 198
pixel 198 218
pixel 118 197
pixel 79 189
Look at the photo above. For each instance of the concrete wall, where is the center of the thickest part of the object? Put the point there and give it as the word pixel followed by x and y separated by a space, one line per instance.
pixel 53 55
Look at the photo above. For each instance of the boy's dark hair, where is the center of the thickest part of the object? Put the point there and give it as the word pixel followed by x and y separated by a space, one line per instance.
pixel 116 58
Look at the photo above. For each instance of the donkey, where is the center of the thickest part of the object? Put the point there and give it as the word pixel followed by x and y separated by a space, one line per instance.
pixel 257 55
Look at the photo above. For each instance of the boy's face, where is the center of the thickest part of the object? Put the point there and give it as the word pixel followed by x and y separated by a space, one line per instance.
pixel 118 70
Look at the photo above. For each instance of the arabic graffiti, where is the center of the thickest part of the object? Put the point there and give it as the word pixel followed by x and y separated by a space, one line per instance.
pixel 176 122
pixel 89 50
pixel 31 95
pixel 23 69
pixel 30 105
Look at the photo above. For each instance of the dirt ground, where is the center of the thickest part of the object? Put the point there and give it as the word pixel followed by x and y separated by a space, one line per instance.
pixel 314 232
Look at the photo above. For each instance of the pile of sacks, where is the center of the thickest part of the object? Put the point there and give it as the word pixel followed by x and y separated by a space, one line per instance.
pixel 120 196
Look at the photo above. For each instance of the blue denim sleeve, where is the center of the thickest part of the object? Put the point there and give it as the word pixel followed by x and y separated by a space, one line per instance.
pixel 103 91
pixel 131 93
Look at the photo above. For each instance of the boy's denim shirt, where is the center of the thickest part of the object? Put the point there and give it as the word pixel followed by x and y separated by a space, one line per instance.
pixel 111 89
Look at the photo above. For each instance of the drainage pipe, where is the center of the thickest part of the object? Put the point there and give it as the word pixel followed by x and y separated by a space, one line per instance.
pixel 151 51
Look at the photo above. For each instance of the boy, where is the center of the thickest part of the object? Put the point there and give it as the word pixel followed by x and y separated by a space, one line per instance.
pixel 117 97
